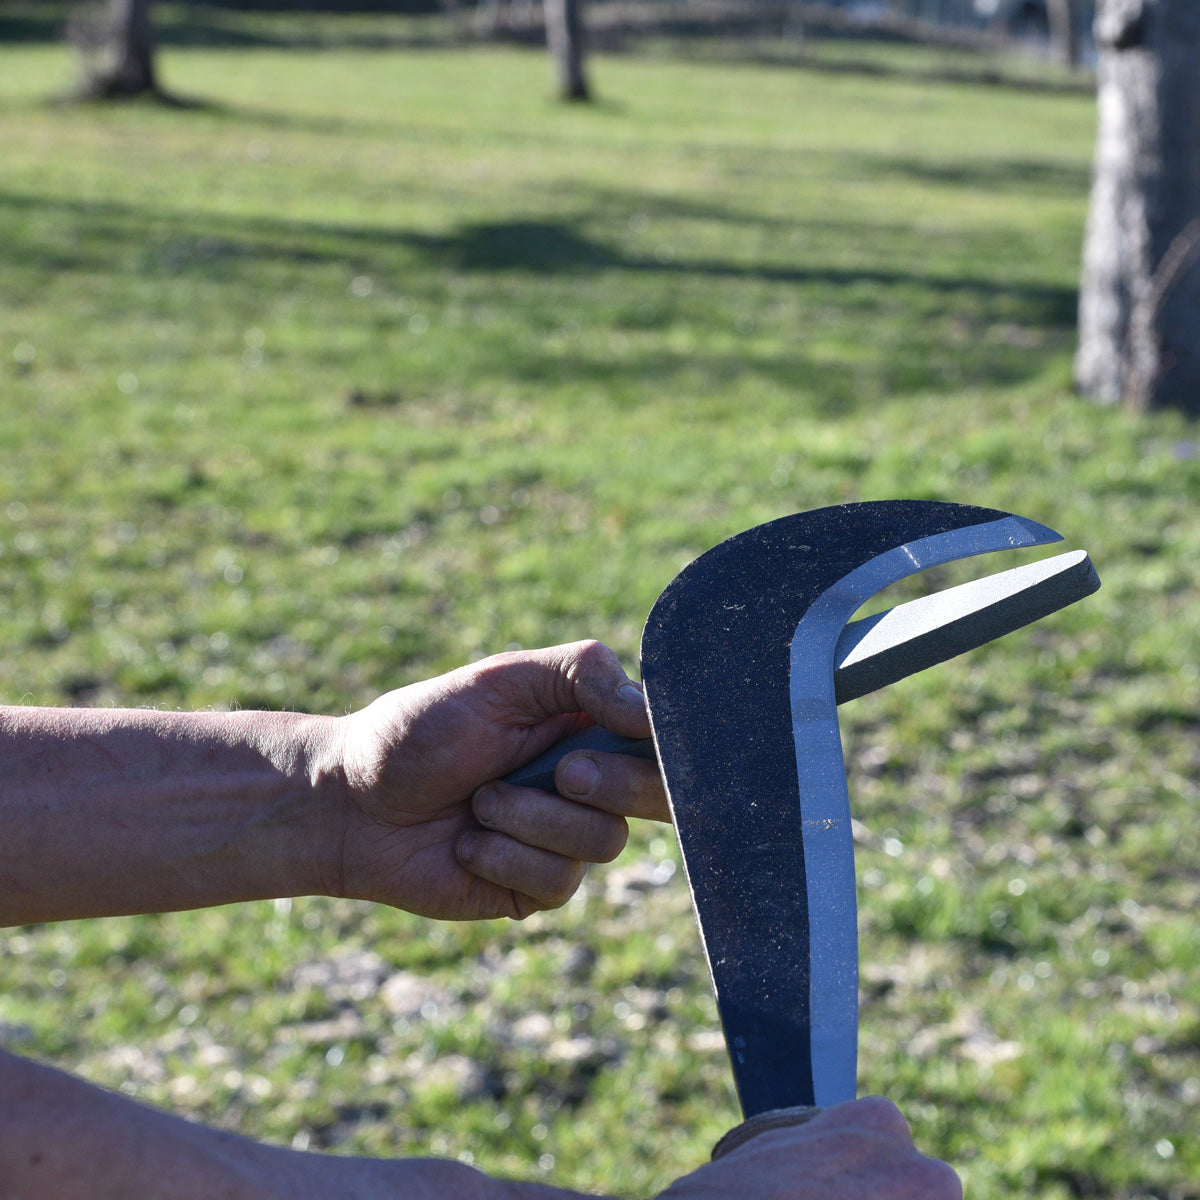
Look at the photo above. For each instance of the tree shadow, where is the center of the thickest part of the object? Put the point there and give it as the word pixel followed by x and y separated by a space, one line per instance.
pixel 157 97
pixel 967 68
pixel 557 247
pixel 495 256
pixel 984 73
pixel 993 174
pixel 28 24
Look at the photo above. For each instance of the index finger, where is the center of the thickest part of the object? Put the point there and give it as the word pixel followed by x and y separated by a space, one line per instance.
pixel 620 784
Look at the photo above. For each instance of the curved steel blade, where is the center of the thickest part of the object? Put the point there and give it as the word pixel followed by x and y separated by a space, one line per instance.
pixel 737 662
pixel 875 651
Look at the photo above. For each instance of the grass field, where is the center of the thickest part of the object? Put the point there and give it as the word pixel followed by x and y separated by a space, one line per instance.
pixel 386 362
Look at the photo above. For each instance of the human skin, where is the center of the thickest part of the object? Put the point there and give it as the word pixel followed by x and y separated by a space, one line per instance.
pixel 107 812
pixel 62 1139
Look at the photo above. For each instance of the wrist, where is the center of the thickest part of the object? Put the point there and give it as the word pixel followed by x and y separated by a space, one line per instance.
pixel 108 812
pixel 314 868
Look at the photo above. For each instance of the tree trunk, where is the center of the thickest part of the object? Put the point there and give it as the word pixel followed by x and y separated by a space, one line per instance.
pixel 1139 306
pixel 1064 31
pixel 564 33
pixel 792 22
pixel 118 50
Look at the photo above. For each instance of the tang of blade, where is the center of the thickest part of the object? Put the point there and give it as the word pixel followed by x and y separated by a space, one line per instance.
pixel 738 665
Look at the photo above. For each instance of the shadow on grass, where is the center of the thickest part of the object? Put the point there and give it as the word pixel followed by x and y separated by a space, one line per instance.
pixel 991 174
pixel 958 171
pixel 638 293
pixel 981 74
pixel 963 69
pixel 535 247
pixel 87 94
pixel 552 247
pixel 30 25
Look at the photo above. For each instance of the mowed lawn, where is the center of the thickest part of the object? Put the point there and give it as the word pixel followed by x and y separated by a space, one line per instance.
pixel 383 361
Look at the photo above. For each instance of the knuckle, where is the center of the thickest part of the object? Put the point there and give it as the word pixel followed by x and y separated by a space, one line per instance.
pixel 588 650
pixel 589 660
pixel 883 1115
pixel 485 670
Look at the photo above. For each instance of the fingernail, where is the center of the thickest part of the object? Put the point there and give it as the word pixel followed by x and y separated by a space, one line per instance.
pixel 466 845
pixel 580 776
pixel 632 693
pixel 484 804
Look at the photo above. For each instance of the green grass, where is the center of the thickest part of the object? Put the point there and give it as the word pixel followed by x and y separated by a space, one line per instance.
pixel 388 362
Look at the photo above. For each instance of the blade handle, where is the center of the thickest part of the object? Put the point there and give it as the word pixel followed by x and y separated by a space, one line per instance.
pixel 773 1118
pixel 539 772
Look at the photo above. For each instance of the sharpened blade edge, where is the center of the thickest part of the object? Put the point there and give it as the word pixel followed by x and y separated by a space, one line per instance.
pixel 828 840
pixel 876 651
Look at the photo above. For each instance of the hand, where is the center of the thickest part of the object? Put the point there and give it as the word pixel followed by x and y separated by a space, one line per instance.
pixel 862 1150
pixel 429 828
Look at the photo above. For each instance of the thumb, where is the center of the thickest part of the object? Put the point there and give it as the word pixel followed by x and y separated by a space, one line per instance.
pixel 592 681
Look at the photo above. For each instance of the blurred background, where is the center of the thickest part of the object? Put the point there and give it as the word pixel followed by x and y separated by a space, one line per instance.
pixel 340 345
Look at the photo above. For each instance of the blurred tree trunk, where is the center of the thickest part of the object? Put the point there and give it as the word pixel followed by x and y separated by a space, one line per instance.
pixel 564 34
pixel 1139 304
pixel 1064 31
pixel 793 21
pixel 117 46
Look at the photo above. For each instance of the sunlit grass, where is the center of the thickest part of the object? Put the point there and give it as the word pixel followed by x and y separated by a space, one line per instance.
pixel 384 361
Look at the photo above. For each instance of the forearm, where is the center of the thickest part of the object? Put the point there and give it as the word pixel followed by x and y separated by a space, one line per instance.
pixel 62 1139
pixel 106 811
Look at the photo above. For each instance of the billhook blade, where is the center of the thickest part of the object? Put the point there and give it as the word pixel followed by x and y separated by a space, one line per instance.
pixel 738 663
pixel 878 650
